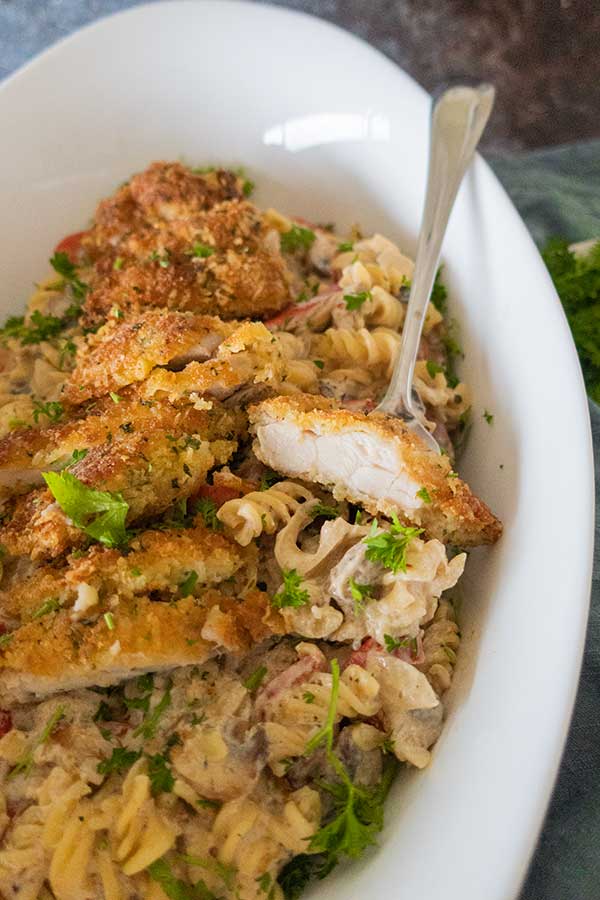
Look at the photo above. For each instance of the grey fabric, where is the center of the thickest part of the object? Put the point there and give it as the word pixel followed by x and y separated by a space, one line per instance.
pixel 558 193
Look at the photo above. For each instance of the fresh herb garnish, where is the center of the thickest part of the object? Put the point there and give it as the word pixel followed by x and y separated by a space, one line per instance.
pixel 61 263
pixel 389 547
pixel 361 594
pixel 110 621
pixel 201 251
pixel 319 363
pixel 254 681
pixel 291 594
pixel 424 494
pixel 345 247
pixel 100 514
pixel 148 727
pixel 52 410
pixel 439 294
pixel 114 397
pixel 208 510
pixel 308 697
pixel 322 509
pixel 76 456
pixel 489 418
pixel 39 328
pixel 48 606
pixel 392 643
pixel 433 368
pixel 297 238
pixel 188 584
pixel 120 760
pixel 25 763
pixel 160 774
pixel 176 889
pixel 355 301
pixel 268 479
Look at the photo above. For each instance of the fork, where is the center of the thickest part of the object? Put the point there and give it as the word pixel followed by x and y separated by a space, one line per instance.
pixel 458 118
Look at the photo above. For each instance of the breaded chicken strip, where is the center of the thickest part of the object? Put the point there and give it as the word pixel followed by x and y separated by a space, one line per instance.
pixel 126 354
pixel 375 461
pixel 151 470
pixel 173 561
pixel 58 654
pixel 27 452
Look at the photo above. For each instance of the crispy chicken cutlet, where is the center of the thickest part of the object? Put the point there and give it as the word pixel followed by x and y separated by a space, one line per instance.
pixel 58 653
pixel 169 562
pixel 374 461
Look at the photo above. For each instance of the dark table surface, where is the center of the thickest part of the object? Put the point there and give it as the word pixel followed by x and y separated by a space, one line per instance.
pixel 542 55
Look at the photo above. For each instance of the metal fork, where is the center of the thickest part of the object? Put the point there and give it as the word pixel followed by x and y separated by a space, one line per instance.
pixel 458 118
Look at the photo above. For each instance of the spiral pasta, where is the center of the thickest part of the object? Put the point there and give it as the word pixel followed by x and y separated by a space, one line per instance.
pixel 440 644
pixel 377 348
pixel 432 386
pixel 262 512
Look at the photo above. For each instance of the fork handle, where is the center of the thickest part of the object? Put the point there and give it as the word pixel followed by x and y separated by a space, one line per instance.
pixel 458 118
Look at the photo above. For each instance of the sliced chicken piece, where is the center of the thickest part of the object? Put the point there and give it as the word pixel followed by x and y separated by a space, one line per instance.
pixel 58 654
pixel 126 354
pixel 152 470
pixel 174 561
pixel 251 355
pixel 27 452
pixel 374 461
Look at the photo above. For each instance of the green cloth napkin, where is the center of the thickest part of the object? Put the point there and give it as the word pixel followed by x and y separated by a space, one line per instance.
pixel 557 192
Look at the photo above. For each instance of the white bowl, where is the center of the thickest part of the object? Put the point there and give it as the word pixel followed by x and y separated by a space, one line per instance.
pixel 332 130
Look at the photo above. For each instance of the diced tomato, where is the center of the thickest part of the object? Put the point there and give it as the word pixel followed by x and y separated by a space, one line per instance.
pixel 71 245
pixel 5 722
pixel 218 493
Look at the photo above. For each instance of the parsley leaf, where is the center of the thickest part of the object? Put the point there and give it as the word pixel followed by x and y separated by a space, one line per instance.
pixel 160 775
pixel 100 514
pixel 489 418
pixel 328 512
pixel 389 547
pixel 255 680
pixel 424 494
pixel 355 301
pixel 268 479
pixel 291 594
pixel 176 889
pixel 61 263
pixel 39 328
pixel 433 368
pixel 392 643
pixel 361 594
pixel 188 584
pixel 148 727
pixel 439 294
pixel 48 606
pixel 345 247
pixel 325 734
pixel 25 763
pixel 297 238
pixel 52 410
pixel 201 251
pixel 120 760
pixel 208 510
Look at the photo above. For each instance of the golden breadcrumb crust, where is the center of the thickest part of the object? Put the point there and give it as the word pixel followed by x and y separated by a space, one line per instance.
pixel 455 515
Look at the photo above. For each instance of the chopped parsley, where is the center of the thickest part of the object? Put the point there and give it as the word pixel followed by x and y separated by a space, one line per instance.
pixel 39 328
pixel 247 184
pixel 148 727
pixel 268 479
pixel 208 510
pixel 432 368
pixel 120 760
pixel 424 494
pixel 188 584
pixel 118 263
pixel 439 294
pixel 114 397
pixel 327 512
pixel 355 301
pixel 254 681
pixel 100 514
pixel 392 643
pixel 160 774
pixel 389 547
pixel 319 363
pixel 297 238
pixel 25 763
pixel 308 697
pixel 201 251
pixel 5 639
pixel 76 456
pixel 176 889
pixel 61 263
pixel 162 259
pixel 52 410
pixel 345 247
pixel 489 418
pixel 110 621
pixel 48 606
pixel 291 594
pixel 361 594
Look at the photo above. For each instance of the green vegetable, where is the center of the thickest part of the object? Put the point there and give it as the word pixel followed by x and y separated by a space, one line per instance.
pixel 355 301
pixel 114 397
pixel 319 363
pixel 308 697
pixel 302 869
pixel 174 887
pixel 61 263
pixel 118 263
pixel 225 872
pixel 160 775
pixel 188 584
pixel 255 680
pixel 208 510
pixel 5 639
pixel 345 247
pixel 488 417
pixel 291 594
pixel 162 260
pixel 201 251
pixel 148 727
pixel 325 734
pixel 48 606
pixel 25 763
pixel 328 512
pixel 120 760
pixel 297 238
pixel 100 514
pixel 39 328
pixel 268 479
pixel 439 294
pixel 424 494
pixel 361 594
pixel 52 410
pixel 577 282
pixel 392 643
pixel 433 368
pixel 76 457
pixel 389 547
pixel 110 621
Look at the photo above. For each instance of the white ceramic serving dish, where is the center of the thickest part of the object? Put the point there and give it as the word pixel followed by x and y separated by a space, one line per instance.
pixel 333 131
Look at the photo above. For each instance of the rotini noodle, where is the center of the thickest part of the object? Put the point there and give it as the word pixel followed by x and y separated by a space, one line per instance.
pixel 377 348
pixel 440 645
pixel 262 511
